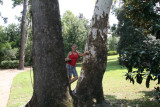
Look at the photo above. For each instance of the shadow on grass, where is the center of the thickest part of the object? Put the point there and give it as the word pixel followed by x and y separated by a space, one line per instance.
pixel 146 101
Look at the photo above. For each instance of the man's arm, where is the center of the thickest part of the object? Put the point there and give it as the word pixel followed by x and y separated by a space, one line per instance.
pixel 83 54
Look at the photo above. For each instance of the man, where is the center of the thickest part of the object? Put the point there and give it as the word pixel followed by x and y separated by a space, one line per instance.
pixel 71 69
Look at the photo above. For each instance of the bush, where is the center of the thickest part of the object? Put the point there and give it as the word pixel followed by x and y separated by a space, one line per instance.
pixel 10 54
pixel 9 64
pixel 112 53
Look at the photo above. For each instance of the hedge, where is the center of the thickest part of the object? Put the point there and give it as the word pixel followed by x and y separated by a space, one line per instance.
pixel 9 64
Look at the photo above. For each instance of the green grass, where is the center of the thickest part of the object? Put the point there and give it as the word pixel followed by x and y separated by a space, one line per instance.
pixel 21 90
pixel 117 90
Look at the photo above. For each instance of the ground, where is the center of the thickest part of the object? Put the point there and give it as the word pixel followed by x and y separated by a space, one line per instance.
pixel 6 77
pixel 118 91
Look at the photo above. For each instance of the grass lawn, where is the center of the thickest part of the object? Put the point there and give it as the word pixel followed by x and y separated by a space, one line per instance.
pixel 117 90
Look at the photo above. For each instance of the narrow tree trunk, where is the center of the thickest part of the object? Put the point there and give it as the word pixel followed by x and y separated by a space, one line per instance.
pixel 89 88
pixel 50 75
pixel 23 35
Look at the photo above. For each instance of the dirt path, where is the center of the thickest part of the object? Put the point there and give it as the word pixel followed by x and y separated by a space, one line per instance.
pixel 6 78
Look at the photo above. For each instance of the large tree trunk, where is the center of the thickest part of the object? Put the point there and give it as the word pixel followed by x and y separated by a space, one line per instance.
pixel 23 35
pixel 89 87
pixel 50 75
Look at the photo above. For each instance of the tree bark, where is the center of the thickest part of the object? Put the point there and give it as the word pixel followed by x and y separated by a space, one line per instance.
pixel 89 88
pixel 23 35
pixel 50 75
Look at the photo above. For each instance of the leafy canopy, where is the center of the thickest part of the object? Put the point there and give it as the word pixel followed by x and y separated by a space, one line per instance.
pixel 144 13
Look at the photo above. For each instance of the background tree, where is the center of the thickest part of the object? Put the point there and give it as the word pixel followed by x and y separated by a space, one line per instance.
pixel 146 58
pixel 50 75
pixel 89 86
pixel 140 52
pixel 74 31
pixel 23 35
pixel 129 35
pixel 144 14
pixel 28 44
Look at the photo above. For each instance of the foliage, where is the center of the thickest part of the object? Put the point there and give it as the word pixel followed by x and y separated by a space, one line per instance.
pixel 146 58
pixel 112 43
pixel 75 31
pixel 129 35
pixel 144 14
pixel 9 42
pixel 9 53
pixel 9 64
pixel 4 18
pixel 19 2
pixel 10 34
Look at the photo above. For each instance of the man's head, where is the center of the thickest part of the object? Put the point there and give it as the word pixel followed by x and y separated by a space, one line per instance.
pixel 74 47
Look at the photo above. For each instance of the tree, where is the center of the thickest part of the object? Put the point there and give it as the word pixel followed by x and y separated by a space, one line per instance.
pixel 146 58
pixel 129 35
pixel 50 75
pixel 23 35
pixel 74 31
pixel 89 86
pixel 144 14
pixel 28 44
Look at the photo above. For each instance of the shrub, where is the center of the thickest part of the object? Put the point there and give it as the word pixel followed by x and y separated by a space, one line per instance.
pixel 10 54
pixel 112 53
pixel 9 64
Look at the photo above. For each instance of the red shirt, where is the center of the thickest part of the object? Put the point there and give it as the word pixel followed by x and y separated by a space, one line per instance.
pixel 73 58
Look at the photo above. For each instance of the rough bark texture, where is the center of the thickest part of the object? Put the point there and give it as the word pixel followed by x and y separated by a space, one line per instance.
pixel 50 75
pixel 89 89
pixel 23 35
